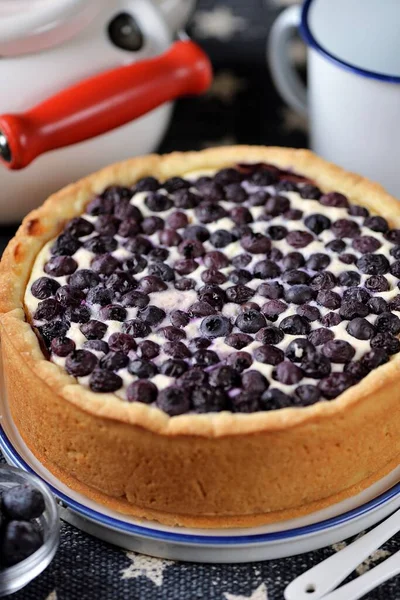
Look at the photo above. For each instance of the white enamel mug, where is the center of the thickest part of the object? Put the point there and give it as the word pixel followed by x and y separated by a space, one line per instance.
pixel 353 94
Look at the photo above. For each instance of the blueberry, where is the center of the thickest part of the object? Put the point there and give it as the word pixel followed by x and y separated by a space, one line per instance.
pixel 241 215
pixel 356 294
pixel 349 279
pixel 299 239
pixel 360 328
pixel 318 261
pixel 148 349
pixel 79 227
pixel 288 373
pixel 101 244
pixel 62 346
pixel 138 244
pixel 286 185
pixel 239 361
pixel 54 329
pixel 224 377
pixel 329 299
pixel 276 205
pixel 128 228
pixel 213 276
pixel 152 224
pixel 274 399
pixel 134 298
pixel 310 192
pixel 264 177
pixel 258 198
pixel 175 183
pixel 97 295
pixel 375 358
pixel 44 287
pixel 377 305
pixel 20 539
pixel 97 346
pixel 113 312
pixel 271 289
pixel 65 244
pixel 311 313
pixel 377 224
pixel 254 382
pixel 317 223
pixel 250 321
pixel 143 369
pixel 136 328
pixel 320 336
pixel 47 310
pixel 335 199
pixel 345 228
pixel 214 326
pixel 358 211
pixel 117 193
pixel 177 350
pixel 336 245
pixel 77 314
pixel 107 225
pixel 169 237
pixel 120 283
pixel 201 309
pixel 273 309
pixel 323 281
pixel 338 351
pixel 293 260
pixel 114 361
pixel 216 260
pixel 221 238
pixel 315 366
pixel 173 367
pixel 179 318
pixel 269 335
pixel 209 212
pixel 358 370
pixel 377 284
pixel 152 283
pixel 277 232
pixel 121 342
pixel 238 340
pixel 142 391
pixel 393 236
pixel 395 303
pixel 159 254
pixel 334 385
pixel 177 220
pixel 80 363
pixel 124 210
pixel 227 176
pixel 387 342
pixel 239 294
pixel 173 401
pixel 269 354
pixel 266 269
pixel 205 358
pixel 146 184
pixel 348 259
pixel 134 264
pixel 373 264
pixel 59 266
pixel 255 243
pixel 157 202
pixel 101 205
pixel 295 325
pixel 199 343
pixel 93 330
pixel 104 381
pixel 299 294
pixel 352 309
pixel 209 399
pixel 22 502
pixel 388 322
pixel 245 402
pixel 295 276
pixel 84 279
pixel 298 349
pixel 104 264
pixel 395 269
pixel 366 244
pixel 184 198
pixel 240 276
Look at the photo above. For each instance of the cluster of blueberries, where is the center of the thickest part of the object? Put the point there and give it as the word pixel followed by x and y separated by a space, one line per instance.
pixel 203 382
pixel 20 533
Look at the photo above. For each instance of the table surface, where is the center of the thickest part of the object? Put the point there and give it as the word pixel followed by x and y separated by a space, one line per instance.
pixel 241 107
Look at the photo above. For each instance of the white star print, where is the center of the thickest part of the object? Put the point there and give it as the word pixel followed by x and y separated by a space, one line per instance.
pixel 226 85
pixel 259 594
pixel 219 23
pixel 146 566
pixel 52 595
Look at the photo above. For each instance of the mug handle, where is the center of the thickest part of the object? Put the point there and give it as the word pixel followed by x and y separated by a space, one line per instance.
pixel 285 77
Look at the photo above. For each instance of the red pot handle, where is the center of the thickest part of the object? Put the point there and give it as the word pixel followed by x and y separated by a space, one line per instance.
pixel 102 103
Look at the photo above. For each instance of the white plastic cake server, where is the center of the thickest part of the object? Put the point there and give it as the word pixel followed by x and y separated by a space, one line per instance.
pixel 318 581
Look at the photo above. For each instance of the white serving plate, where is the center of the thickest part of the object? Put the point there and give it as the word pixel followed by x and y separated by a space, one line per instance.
pixel 319 529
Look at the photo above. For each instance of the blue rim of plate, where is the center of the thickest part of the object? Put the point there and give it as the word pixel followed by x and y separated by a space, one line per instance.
pixel 186 538
pixel 310 40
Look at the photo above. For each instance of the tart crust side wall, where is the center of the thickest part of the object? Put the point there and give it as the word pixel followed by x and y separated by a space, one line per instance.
pixel 201 467
pixel 189 480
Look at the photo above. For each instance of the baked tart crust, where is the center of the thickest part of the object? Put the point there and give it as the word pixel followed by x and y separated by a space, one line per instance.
pixel 208 470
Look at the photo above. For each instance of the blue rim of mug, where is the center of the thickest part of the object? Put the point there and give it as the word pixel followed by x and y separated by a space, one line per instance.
pixel 195 539
pixel 310 40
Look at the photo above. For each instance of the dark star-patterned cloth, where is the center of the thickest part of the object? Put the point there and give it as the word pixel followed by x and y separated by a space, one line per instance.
pixel 241 107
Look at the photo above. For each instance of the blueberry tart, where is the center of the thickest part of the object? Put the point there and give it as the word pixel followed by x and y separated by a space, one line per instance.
pixel 211 338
